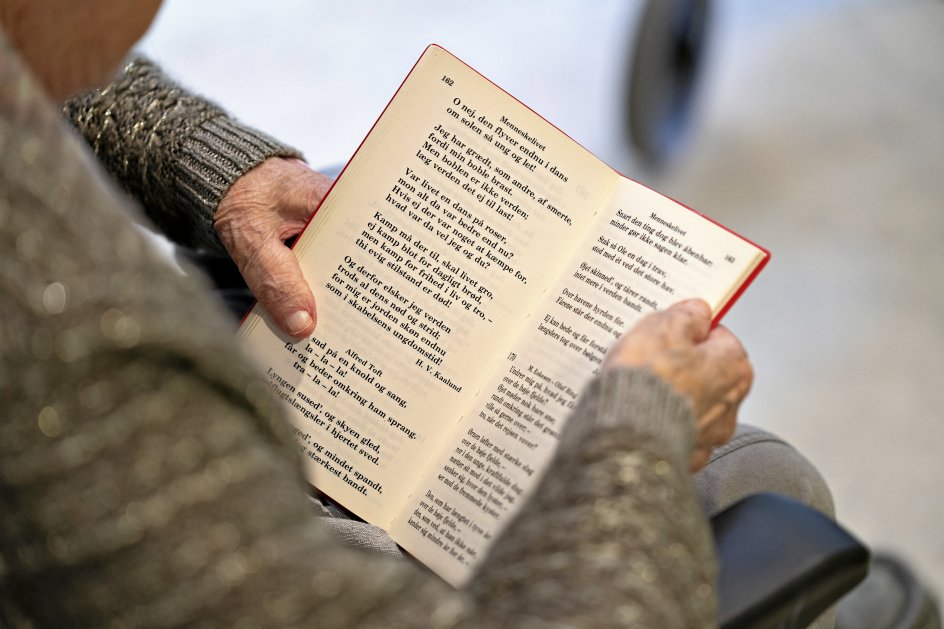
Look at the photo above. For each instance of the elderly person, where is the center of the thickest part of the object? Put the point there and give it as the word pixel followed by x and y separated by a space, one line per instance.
pixel 144 479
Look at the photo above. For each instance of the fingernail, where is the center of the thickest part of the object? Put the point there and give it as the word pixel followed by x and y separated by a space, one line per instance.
pixel 298 322
pixel 698 304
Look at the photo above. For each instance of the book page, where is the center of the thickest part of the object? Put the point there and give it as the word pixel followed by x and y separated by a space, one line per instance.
pixel 438 238
pixel 643 253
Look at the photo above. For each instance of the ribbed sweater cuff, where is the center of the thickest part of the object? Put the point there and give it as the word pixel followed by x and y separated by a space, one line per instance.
pixel 217 153
pixel 643 403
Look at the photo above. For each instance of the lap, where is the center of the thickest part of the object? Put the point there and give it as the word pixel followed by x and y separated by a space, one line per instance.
pixel 756 461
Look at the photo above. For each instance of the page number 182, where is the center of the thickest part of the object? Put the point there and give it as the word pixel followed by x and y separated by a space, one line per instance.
pixel 448 81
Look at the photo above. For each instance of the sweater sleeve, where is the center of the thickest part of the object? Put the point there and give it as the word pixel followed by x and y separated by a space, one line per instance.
pixel 174 152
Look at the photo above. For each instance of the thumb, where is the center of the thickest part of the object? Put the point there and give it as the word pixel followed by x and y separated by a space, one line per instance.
pixel 274 277
pixel 690 319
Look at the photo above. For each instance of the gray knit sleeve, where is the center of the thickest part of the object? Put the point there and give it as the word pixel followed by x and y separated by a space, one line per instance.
pixel 641 402
pixel 175 152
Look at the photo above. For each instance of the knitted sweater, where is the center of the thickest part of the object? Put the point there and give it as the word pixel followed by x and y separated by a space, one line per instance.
pixel 146 476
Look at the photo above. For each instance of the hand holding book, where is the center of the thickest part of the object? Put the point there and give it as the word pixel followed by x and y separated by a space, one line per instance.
pixel 709 366
pixel 266 206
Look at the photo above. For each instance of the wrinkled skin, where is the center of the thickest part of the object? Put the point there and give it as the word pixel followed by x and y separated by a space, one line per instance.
pixel 707 365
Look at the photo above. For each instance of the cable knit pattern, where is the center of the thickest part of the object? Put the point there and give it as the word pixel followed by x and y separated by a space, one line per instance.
pixel 176 153
pixel 147 477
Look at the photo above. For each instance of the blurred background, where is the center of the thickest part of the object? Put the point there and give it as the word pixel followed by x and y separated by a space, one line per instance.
pixel 818 132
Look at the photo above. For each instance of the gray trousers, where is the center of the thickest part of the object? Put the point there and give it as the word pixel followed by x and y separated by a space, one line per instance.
pixel 756 461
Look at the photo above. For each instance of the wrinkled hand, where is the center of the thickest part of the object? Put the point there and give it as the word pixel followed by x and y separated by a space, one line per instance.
pixel 263 208
pixel 708 366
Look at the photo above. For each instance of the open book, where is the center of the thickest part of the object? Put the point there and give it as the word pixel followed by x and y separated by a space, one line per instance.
pixel 472 265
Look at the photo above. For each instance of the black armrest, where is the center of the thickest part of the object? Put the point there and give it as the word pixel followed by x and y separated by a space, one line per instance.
pixel 782 563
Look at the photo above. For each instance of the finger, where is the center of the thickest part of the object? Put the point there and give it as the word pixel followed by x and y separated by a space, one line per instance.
pixel 699 459
pixel 724 352
pixel 685 323
pixel 690 319
pixel 723 341
pixel 718 425
pixel 691 313
pixel 275 278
